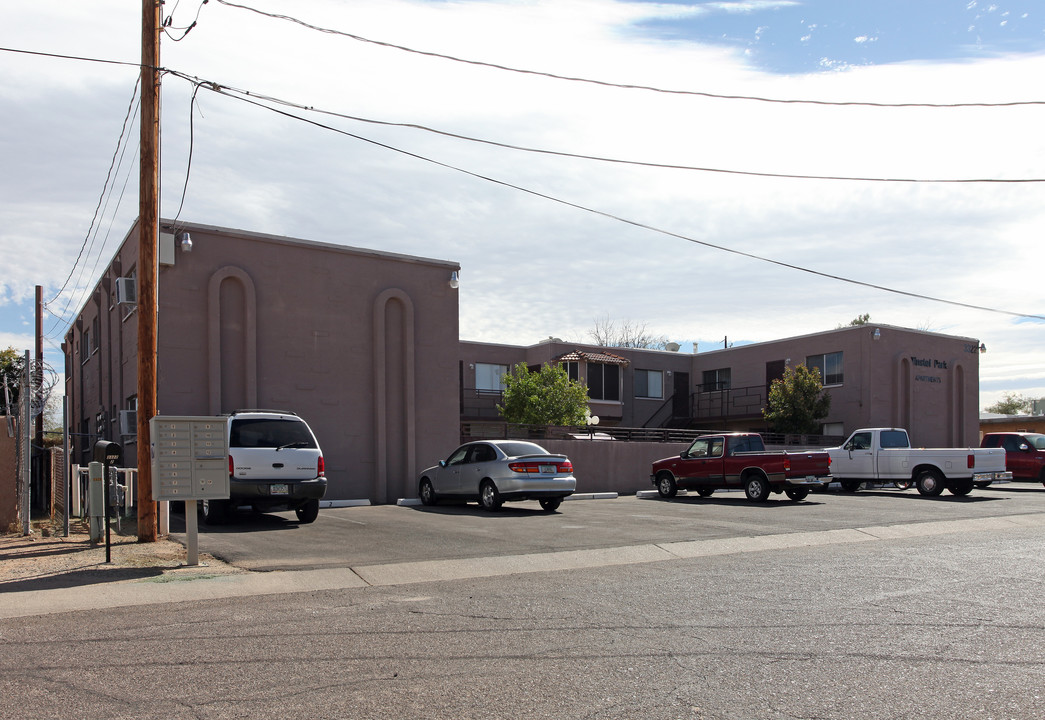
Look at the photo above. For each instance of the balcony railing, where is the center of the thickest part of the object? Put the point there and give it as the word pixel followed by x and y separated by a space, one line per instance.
pixel 480 404
pixel 479 430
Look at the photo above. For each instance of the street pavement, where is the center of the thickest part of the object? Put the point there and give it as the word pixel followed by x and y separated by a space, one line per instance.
pixel 875 606
pixel 370 546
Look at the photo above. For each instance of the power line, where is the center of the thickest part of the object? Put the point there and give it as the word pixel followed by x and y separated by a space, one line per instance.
pixel 627 221
pixel 625 86
pixel 230 91
pixel 71 57
pixel 105 188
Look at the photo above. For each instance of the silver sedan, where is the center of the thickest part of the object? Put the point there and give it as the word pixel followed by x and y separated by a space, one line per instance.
pixel 496 471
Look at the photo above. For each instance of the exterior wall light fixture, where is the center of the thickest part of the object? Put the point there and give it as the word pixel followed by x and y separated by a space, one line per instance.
pixel 983 348
pixel 877 334
pixel 185 240
pixel 455 280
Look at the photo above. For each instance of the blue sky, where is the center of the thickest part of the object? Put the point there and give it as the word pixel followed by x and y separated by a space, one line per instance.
pixel 254 170
pixel 788 36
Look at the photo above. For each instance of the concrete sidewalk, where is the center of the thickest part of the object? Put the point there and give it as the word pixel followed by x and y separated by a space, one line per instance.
pixel 187 584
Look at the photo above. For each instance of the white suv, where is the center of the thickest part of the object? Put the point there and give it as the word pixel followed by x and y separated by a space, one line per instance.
pixel 274 462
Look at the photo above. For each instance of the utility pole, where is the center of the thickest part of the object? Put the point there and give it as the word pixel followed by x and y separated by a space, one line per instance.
pixel 148 229
pixel 38 385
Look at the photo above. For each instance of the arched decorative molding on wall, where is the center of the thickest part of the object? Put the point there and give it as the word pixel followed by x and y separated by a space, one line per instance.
pixel 216 321
pixel 394 395
pixel 904 393
pixel 958 406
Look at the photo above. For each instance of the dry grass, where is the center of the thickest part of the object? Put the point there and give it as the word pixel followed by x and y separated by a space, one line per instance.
pixel 45 559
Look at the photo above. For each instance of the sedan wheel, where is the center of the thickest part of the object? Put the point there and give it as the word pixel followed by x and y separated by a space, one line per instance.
pixel 550 504
pixel 705 492
pixel 427 492
pixel 489 498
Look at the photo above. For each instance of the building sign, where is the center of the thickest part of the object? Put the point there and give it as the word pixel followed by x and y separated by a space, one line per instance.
pixel 929 364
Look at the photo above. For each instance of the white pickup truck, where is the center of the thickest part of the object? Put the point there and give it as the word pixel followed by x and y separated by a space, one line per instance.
pixel 886 455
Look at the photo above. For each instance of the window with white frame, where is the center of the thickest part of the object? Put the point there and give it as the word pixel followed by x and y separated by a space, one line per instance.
pixel 830 367
pixel 489 377
pixel 649 384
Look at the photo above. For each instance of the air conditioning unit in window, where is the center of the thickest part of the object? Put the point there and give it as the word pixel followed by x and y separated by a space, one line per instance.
pixel 128 422
pixel 126 291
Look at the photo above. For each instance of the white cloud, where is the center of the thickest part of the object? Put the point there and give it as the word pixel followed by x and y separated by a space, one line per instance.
pixel 533 267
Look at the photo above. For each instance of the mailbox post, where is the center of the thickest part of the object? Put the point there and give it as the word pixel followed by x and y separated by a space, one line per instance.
pixel 108 453
pixel 190 462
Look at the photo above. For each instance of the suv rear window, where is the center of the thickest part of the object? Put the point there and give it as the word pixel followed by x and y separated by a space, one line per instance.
pixel 270 432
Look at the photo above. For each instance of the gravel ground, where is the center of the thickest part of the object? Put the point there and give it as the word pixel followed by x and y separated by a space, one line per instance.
pixel 44 559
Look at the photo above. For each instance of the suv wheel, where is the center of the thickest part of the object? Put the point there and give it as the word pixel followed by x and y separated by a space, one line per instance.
pixel 213 512
pixel 308 512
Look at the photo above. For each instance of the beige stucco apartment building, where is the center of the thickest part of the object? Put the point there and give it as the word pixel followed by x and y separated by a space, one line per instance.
pixel 877 375
pixel 354 341
pixel 364 345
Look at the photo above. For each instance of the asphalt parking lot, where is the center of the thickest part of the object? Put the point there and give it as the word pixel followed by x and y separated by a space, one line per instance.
pixel 388 534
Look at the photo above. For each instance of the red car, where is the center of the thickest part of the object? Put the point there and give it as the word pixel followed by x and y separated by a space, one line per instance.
pixel 1024 453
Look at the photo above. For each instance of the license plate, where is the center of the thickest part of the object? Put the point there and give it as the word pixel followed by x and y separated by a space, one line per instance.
pixel 548 469
pixel 279 489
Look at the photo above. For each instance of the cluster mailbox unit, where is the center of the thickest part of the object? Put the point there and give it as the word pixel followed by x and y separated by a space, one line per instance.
pixel 190 463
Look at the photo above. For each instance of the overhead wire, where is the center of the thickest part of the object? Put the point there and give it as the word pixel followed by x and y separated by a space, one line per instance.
pixel 625 86
pixel 618 218
pixel 112 164
pixel 225 89
pixel 92 231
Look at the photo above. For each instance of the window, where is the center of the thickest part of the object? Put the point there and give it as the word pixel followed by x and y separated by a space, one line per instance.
pixel 573 369
pixel 603 381
pixel 716 380
pixel 860 441
pixel 829 365
pixel 649 384
pixel 894 439
pixel 706 447
pixel 489 377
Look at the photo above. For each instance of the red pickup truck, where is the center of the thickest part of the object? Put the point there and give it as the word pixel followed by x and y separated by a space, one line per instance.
pixel 740 460
pixel 1024 454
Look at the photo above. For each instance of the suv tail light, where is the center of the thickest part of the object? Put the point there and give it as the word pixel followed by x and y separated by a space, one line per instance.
pixel 232 466
pixel 321 469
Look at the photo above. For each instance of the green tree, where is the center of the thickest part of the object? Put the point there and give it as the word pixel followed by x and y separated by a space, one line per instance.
pixel 545 397
pixel 797 401
pixel 12 365
pixel 1012 404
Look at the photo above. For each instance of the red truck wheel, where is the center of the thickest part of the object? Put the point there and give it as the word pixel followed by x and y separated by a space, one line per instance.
pixel 666 485
pixel 756 488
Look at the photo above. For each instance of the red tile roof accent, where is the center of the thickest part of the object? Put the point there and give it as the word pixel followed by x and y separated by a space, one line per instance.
pixel 592 357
